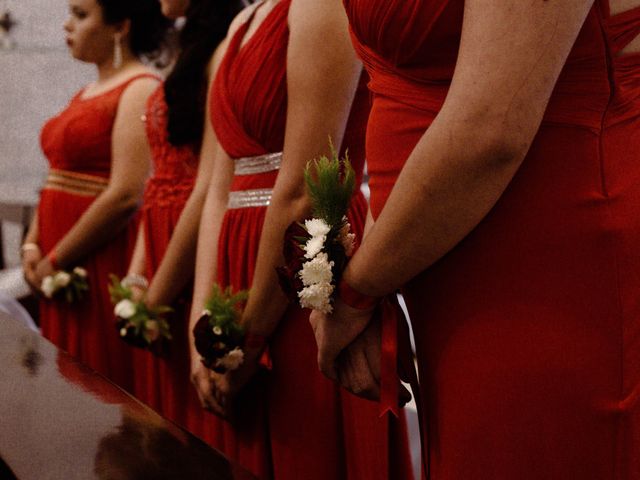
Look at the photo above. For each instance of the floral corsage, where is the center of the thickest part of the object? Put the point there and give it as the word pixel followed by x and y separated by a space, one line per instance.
pixel 317 251
pixel 70 286
pixel 138 324
pixel 218 334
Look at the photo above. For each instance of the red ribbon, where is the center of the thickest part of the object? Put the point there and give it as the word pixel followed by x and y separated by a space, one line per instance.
pixel 389 381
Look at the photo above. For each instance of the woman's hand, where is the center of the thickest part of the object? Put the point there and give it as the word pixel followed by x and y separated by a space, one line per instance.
pixel 203 381
pixel 229 384
pixel 30 260
pixel 358 365
pixel 335 332
pixel 43 269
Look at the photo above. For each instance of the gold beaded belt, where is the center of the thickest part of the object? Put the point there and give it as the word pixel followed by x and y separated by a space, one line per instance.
pixel 76 183
pixel 259 197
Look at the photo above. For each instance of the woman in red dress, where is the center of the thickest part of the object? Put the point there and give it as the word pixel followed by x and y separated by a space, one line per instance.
pixel 503 151
pixel 173 198
pixel 285 85
pixel 99 160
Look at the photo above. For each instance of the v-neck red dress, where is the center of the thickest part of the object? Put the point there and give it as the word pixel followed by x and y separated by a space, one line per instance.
pixel 528 331
pixel 295 423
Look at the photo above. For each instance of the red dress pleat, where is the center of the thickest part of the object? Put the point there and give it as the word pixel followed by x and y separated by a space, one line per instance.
pixel 164 382
pixel 294 423
pixel 528 331
pixel 79 140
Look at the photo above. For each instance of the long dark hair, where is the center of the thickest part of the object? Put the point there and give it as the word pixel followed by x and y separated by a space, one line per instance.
pixel 148 27
pixel 186 86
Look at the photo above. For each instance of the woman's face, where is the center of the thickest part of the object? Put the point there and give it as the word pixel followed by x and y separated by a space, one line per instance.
pixel 174 8
pixel 89 39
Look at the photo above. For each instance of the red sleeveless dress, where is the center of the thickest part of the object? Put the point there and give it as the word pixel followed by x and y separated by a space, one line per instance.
pixel 528 331
pixel 164 382
pixel 77 144
pixel 296 423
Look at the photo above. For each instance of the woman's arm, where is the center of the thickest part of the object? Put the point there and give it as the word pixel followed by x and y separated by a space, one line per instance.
pixel 137 265
pixel 111 211
pixel 461 166
pixel 322 77
pixel 32 255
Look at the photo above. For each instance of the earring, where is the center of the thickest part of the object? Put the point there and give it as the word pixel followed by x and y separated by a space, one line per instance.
pixel 117 51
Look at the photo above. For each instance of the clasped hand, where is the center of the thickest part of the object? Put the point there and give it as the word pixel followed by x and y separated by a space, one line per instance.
pixel 349 348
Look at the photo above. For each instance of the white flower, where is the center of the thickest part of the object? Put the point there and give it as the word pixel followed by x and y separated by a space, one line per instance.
pixel 206 312
pixel 317 227
pixel 81 272
pixel 317 297
pixel 125 309
pixel 48 286
pixel 314 246
pixel 62 279
pixel 123 332
pixel 153 329
pixel 232 360
pixel 317 270
pixel 217 330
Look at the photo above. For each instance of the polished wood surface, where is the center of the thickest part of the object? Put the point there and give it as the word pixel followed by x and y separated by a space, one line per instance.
pixel 61 420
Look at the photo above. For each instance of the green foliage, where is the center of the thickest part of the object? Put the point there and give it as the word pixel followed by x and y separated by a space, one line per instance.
pixel 330 185
pixel 117 291
pixel 225 307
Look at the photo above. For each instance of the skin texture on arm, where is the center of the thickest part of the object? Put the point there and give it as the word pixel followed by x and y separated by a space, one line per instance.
pixel 111 211
pixel 322 77
pixel 137 265
pixel 465 160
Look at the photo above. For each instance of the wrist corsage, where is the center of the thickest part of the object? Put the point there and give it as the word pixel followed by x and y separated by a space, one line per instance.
pixel 70 286
pixel 218 334
pixel 138 324
pixel 317 250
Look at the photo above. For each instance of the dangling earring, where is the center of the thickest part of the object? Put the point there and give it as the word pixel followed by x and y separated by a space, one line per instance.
pixel 117 51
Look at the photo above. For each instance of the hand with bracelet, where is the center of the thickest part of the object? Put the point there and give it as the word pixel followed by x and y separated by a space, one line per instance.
pixel 46 266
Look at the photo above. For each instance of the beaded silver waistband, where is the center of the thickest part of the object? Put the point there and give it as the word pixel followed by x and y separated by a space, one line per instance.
pixel 259 197
pixel 259 164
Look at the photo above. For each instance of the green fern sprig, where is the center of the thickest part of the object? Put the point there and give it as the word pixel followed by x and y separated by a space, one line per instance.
pixel 330 186
pixel 224 308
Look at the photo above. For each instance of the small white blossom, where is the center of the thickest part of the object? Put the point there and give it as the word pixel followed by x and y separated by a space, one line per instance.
pixel 232 360
pixel 62 279
pixel 217 330
pixel 123 332
pixel 317 297
pixel 317 270
pixel 48 286
pixel 81 272
pixel 206 312
pixel 317 227
pixel 125 309
pixel 314 246
pixel 153 329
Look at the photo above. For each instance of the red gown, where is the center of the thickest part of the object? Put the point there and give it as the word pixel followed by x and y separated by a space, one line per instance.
pixel 294 423
pixel 528 331
pixel 77 144
pixel 164 382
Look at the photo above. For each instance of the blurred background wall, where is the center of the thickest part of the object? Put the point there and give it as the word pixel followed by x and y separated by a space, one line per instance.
pixel 37 79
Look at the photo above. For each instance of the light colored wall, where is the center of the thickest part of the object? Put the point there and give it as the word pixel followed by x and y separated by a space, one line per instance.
pixel 37 79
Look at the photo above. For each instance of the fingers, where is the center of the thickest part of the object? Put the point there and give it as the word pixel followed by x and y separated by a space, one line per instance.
pixel 355 374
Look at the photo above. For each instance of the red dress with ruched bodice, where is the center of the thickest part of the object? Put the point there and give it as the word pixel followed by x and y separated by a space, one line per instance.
pixel 164 382
pixel 77 144
pixel 527 331
pixel 294 423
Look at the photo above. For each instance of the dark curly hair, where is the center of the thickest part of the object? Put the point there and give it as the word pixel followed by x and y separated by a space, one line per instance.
pixel 148 26
pixel 186 86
